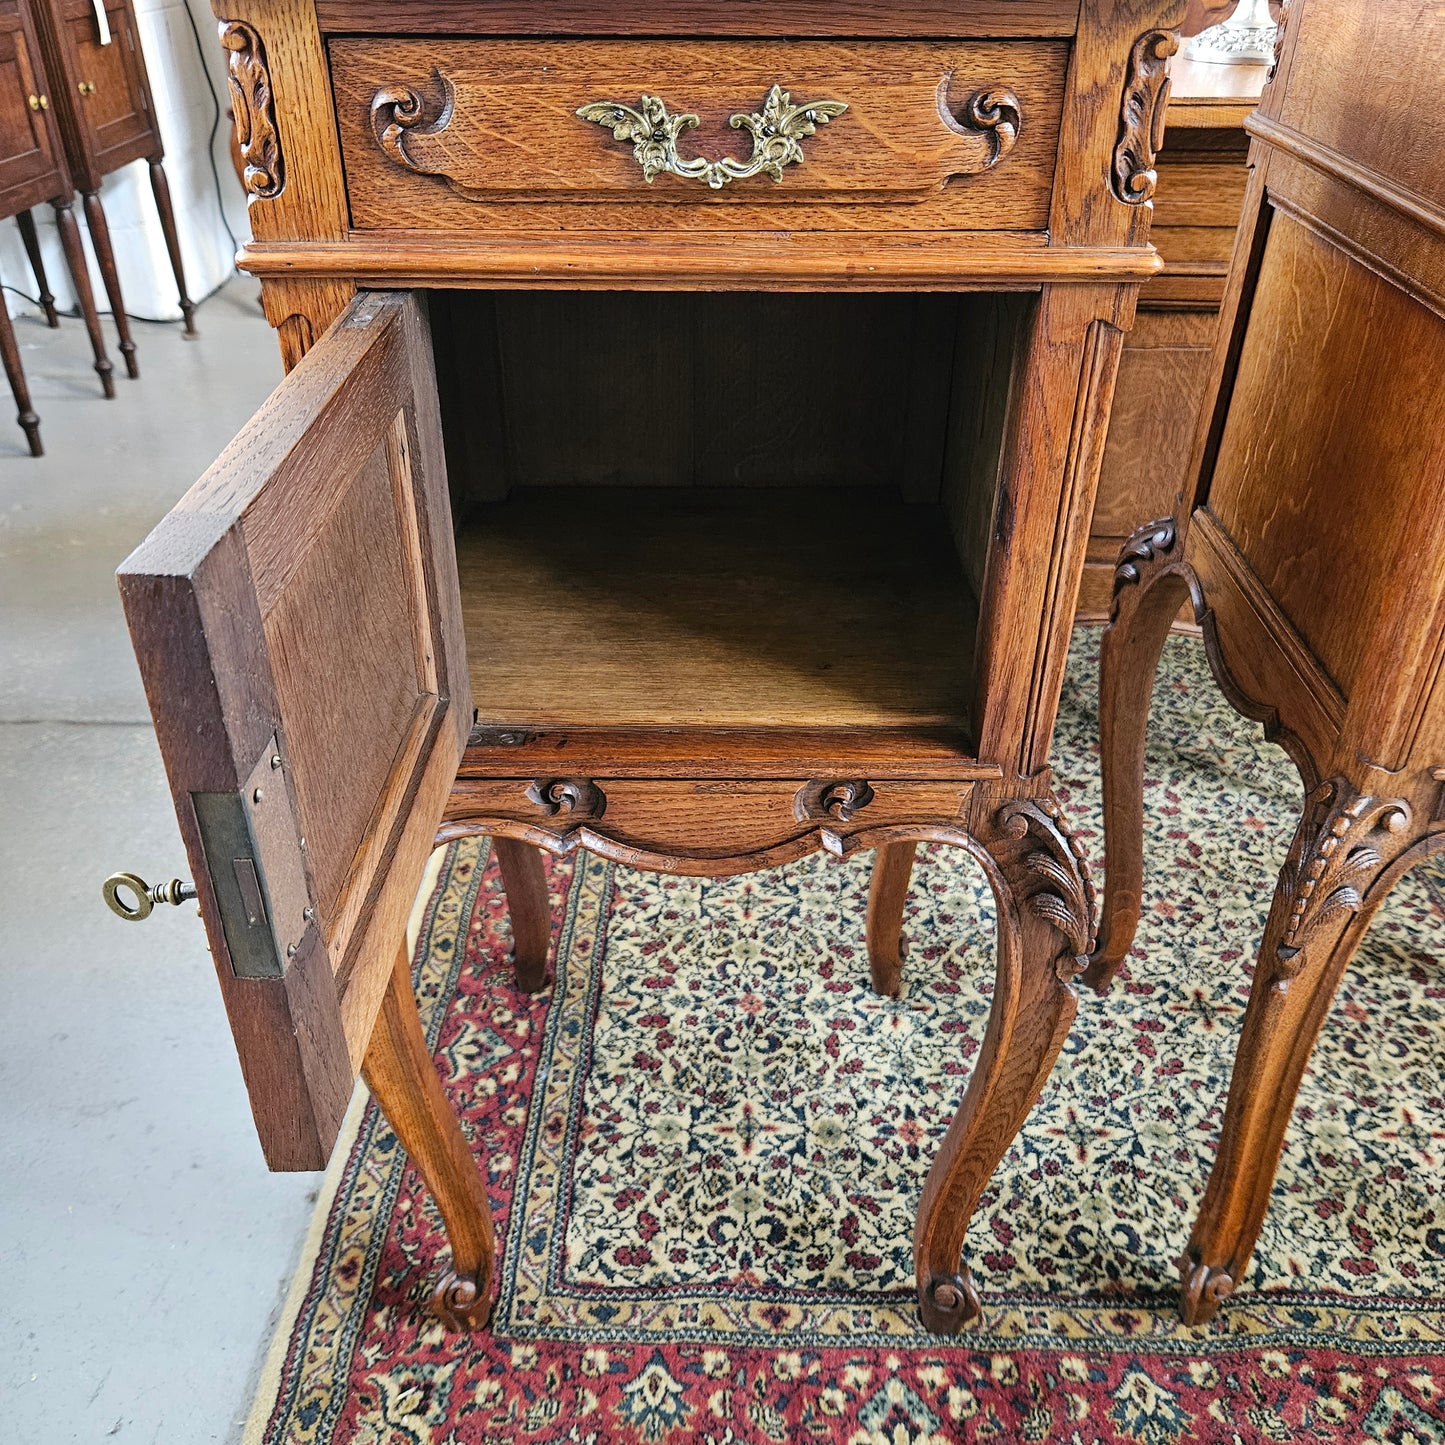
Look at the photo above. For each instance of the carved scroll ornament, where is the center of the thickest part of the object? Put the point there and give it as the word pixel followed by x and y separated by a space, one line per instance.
pixel 841 801
pixel 1141 117
pixel 579 797
pixel 993 115
pixel 264 175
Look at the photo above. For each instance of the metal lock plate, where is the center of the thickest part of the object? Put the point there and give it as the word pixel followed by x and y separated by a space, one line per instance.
pixel 258 868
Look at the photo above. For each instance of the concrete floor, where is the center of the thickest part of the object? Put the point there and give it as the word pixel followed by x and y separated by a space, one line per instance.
pixel 144 1248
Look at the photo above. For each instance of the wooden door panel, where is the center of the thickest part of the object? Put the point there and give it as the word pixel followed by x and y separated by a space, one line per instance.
pixel 26 152
pixel 298 627
pixel 117 111
pixel 1311 446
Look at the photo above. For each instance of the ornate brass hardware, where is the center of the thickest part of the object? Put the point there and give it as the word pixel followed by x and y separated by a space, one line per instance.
pixel 146 895
pixel 778 131
pixel 39 102
pixel 86 87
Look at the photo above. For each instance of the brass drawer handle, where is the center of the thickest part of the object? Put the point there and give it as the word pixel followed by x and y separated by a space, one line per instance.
pixel 39 102
pixel 778 131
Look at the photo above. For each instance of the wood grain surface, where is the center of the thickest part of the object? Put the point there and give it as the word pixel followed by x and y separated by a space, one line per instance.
pixel 609 607
pixel 500 124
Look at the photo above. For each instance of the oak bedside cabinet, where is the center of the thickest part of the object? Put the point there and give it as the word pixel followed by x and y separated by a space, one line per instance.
pixel 688 456
pixel 1308 547
pixel 102 98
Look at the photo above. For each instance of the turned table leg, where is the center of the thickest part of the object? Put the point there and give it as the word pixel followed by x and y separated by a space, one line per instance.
pixel 402 1077
pixel 1045 928
pixel 105 256
pixel 1347 852
pixel 1148 591
pixel 15 372
pixel 161 189
pixel 84 296
pixel 887 897
pixel 37 267
pixel 525 880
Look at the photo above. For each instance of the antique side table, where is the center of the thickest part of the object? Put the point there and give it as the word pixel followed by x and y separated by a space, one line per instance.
pixel 1310 548
pixel 32 170
pixel 102 97
pixel 688 456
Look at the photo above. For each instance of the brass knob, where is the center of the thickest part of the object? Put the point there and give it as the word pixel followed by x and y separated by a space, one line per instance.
pixel 34 101
pixel 87 87
pixel 44 102
pixel 146 897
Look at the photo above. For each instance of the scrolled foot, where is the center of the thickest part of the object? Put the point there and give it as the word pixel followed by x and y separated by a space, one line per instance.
pixel 1206 1287
pixel 949 1302
pixel 462 1303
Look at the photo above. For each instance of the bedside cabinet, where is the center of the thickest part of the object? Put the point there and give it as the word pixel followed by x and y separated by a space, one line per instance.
pixel 102 99
pixel 688 455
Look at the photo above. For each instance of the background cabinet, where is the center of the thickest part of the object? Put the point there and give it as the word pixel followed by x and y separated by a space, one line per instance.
pixel 1164 372
pixel 102 100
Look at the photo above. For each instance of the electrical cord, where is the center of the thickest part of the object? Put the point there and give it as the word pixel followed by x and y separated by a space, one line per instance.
pixel 216 114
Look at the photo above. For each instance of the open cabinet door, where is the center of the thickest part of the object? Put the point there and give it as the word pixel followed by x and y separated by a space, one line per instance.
pixel 298 627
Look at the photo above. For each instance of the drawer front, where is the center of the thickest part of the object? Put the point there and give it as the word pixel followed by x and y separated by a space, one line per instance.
pixel 673 821
pixel 880 135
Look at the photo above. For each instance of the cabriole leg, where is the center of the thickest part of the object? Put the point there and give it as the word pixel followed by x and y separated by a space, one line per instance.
pixel 402 1077
pixel 525 881
pixel 1045 904
pixel 105 256
pixel 887 897
pixel 85 297
pixel 1330 888
pixel 37 266
pixel 1148 591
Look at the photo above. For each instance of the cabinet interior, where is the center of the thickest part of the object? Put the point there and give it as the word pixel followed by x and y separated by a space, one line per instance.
pixel 727 510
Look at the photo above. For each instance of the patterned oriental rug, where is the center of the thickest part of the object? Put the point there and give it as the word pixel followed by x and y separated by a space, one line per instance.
pixel 707 1140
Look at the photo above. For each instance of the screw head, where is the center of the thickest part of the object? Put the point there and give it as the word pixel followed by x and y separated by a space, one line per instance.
pixel 308 914
pixel 290 950
pixel 769 130
pixel 257 796
pixel 275 760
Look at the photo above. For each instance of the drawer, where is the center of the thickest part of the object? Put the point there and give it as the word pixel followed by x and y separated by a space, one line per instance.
pixel 458 134
pixel 664 817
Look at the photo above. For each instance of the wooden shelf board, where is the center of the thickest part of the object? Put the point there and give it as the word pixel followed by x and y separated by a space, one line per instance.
pixel 806 608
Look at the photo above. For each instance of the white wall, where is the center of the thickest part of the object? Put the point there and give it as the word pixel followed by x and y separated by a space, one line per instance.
pixel 183 105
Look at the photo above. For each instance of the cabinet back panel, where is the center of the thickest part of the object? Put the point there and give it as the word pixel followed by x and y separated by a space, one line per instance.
pixel 584 389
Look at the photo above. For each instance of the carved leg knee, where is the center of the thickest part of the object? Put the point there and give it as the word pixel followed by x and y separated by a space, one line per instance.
pixel 1149 586
pixel 1346 853
pixel 1045 928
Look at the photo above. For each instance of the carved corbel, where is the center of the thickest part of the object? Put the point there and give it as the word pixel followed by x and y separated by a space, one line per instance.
pixel 1344 841
pixel 1141 117
pixel 264 175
